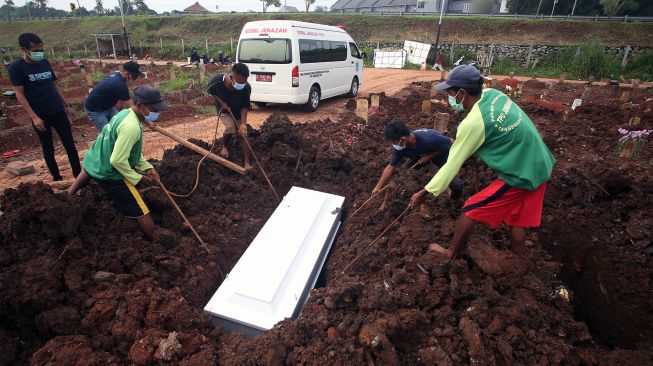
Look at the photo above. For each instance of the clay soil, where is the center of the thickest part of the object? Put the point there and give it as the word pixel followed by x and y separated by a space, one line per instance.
pixel 80 286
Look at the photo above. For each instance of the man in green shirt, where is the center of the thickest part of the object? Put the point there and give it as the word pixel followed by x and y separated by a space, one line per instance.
pixel 507 141
pixel 116 162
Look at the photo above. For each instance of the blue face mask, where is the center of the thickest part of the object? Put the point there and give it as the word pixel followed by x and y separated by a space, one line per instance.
pixel 152 117
pixel 458 107
pixel 36 56
pixel 239 86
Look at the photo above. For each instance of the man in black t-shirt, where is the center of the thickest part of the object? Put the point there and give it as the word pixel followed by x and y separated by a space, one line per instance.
pixel 37 92
pixel 231 93
pixel 101 101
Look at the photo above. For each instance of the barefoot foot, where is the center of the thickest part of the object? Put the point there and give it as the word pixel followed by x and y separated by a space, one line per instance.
pixel 440 249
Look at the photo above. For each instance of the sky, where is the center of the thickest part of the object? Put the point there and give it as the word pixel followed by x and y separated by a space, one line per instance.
pixel 169 5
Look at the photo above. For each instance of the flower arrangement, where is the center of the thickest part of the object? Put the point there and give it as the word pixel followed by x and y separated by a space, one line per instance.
pixel 630 143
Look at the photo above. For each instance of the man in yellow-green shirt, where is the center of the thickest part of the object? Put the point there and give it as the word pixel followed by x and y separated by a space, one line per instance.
pixel 503 136
pixel 116 162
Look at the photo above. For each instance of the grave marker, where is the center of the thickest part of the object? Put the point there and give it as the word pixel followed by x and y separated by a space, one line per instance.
pixel 426 106
pixel 376 100
pixel 441 122
pixel 173 76
pixel 362 106
pixel 624 96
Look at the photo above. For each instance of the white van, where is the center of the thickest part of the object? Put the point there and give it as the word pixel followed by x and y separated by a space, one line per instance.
pixel 299 62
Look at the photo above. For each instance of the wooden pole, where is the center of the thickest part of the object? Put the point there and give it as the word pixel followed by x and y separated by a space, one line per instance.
pixel 68 48
pixel 375 240
pixel 224 162
pixel 183 47
pixel 113 46
pixel 161 43
pixel 97 46
pixel 206 44
pixel 183 216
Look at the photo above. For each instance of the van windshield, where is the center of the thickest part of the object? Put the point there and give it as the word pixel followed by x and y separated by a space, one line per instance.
pixel 265 51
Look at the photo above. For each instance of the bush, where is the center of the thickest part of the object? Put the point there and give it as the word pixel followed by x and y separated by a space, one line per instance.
pixel 593 61
pixel 640 67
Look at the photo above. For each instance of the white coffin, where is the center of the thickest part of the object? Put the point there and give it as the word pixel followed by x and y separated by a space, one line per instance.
pixel 272 279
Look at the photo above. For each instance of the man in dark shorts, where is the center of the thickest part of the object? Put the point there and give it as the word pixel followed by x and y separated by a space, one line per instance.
pixel 231 93
pixel 507 141
pixel 116 162
pixel 101 101
pixel 35 84
pixel 420 147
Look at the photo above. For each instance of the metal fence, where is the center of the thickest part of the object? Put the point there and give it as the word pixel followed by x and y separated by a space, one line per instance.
pixel 596 18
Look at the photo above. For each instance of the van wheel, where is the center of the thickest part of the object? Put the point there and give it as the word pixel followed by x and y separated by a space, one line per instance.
pixel 353 91
pixel 313 99
pixel 261 104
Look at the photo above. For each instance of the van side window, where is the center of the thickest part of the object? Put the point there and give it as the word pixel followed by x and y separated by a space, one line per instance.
pixel 314 51
pixel 354 50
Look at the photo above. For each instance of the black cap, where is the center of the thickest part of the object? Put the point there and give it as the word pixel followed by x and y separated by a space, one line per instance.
pixel 150 97
pixel 463 76
pixel 133 68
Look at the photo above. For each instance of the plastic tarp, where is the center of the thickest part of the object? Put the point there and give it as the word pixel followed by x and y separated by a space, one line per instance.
pixel 273 278
pixel 416 52
pixel 389 59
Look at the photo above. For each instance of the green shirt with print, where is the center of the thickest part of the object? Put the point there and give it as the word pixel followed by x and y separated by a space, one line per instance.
pixel 118 150
pixel 503 136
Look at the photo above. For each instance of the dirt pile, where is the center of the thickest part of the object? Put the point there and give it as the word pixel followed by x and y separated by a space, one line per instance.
pixel 80 286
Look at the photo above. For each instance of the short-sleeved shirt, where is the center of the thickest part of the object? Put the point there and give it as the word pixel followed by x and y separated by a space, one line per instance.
pixel 107 93
pixel 426 142
pixel 235 99
pixel 37 79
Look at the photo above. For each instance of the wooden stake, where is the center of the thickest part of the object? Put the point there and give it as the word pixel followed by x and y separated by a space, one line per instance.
pixel 625 96
pixel 563 77
pixel 173 76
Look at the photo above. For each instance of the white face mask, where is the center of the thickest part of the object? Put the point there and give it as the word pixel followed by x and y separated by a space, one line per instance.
pixel 399 147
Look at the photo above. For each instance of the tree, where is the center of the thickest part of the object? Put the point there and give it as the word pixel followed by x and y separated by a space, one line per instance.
pixel 142 8
pixel 308 4
pixel 267 3
pixel 611 7
pixel 42 6
pixel 8 8
pixel 99 8
pixel 321 9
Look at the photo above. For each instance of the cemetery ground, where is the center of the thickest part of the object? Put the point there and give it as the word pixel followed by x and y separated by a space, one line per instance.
pixel 79 285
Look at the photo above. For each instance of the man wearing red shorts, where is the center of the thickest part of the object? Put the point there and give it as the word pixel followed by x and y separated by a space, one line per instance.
pixel 507 141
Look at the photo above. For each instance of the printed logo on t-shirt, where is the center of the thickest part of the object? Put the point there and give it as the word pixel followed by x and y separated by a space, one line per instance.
pixel 505 112
pixel 40 76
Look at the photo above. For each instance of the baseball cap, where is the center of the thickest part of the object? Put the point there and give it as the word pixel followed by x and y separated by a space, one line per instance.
pixel 150 97
pixel 463 76
pixel 133 68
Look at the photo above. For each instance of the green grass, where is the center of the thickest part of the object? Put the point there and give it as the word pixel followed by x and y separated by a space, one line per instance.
pixel 205 109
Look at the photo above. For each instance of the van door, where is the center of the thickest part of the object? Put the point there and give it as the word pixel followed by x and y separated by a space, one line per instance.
pixel 356 63
pixel 340 67
pixel 270 65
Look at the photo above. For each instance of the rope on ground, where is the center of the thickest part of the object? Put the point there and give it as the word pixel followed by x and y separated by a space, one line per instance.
pixel 199 164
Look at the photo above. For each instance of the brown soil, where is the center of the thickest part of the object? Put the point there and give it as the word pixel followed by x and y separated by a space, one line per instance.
pixel 80 286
